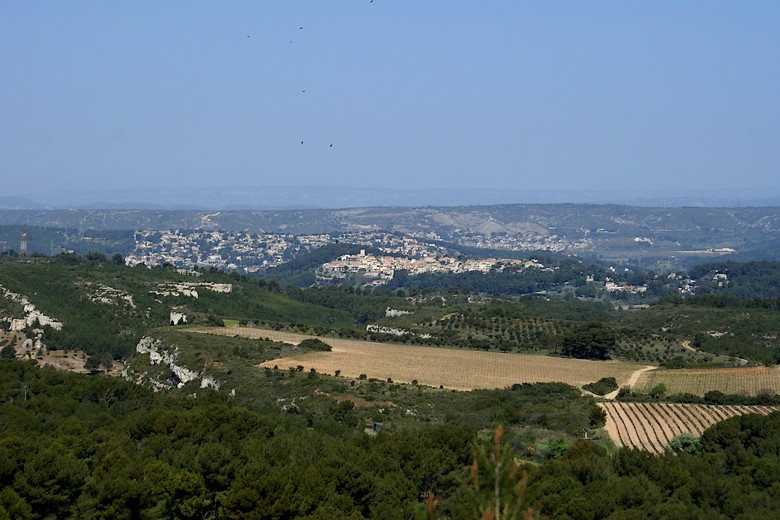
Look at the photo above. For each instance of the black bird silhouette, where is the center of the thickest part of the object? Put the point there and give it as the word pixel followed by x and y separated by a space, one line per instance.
pixel 248 36
pixel 301 142
pixel 331 145
pixel 299 28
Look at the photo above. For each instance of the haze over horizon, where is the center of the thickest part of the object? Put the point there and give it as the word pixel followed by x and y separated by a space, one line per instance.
pixel 413 102
pixel 339 197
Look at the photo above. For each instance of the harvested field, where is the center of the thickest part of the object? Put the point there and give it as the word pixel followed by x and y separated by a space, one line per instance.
pixel 458 369
pixel 739 380
pixel 651 426
pixel 71 361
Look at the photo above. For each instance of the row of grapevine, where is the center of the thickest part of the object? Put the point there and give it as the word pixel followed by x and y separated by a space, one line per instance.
pixel 651 426
pixel 737 380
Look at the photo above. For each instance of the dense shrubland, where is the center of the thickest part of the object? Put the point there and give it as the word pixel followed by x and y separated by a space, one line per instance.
pixel 94 447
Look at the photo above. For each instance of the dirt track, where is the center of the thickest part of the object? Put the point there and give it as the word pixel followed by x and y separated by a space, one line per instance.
pixel 631 381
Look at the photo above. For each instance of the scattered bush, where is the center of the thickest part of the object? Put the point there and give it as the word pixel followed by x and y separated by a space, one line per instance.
pixel 315 344
pixel 8 352
pixel 603 386
pixel 658 391
pixel 685 443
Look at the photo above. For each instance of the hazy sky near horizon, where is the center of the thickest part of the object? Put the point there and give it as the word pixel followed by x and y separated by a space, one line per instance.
pixel 412 94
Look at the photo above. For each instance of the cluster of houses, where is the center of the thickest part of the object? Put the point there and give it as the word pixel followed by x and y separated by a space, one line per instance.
pixel 380 269
pixel 236 250
pixel 221 249
pixel 527 242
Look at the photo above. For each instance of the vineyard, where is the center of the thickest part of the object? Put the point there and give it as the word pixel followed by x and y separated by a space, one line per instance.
pixel 740 380
pixel 651 426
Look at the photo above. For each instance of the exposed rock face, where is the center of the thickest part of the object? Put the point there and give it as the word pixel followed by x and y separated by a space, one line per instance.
pixel 30 313
pixel 394 331
pixel 189 289
pixel 208 382
pixel 177 318
pixel 101 293
pixel 160 354
pixel 394 313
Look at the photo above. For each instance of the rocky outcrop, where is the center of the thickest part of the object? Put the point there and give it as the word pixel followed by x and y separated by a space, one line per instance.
pixel 165 356
pixel 31 314
pixel 394 313
pixel 394 331
pixel 189 289
pixel 177 318
pixel 101 293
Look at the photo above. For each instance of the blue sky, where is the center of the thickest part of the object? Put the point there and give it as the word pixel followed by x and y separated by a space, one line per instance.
pixel 410 94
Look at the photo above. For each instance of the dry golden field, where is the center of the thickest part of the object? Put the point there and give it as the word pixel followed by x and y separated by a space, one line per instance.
pixel 650 426
pixel 739 380
pixel 458 369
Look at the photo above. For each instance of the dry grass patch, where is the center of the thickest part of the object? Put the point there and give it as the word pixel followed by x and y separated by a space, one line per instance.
pixel 451 368
pixel 72 361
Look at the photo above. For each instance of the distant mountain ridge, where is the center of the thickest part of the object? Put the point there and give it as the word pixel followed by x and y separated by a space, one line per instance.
pixel 504 218
pixel 334 197
pixel 19 203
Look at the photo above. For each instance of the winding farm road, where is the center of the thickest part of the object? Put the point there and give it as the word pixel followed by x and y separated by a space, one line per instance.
pixel 631 381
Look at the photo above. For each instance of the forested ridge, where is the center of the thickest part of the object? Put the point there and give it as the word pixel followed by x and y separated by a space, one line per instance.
pixel 722 325
pixel 76 446
pixel 106 307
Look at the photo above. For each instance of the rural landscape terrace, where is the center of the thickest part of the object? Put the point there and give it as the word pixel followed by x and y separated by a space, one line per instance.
pixel 450 335
pixel 627 331
pixel 389 260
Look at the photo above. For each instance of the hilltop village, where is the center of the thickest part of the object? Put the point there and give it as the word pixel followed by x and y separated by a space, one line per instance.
pixel 385 254
pixel 250 253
